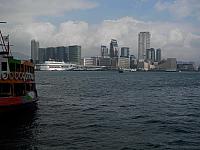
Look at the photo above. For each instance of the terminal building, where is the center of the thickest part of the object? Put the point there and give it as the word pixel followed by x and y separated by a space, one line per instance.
pixel 185 66
pixel 169 65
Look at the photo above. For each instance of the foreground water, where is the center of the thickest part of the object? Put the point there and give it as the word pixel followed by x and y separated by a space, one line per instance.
pixel 108 110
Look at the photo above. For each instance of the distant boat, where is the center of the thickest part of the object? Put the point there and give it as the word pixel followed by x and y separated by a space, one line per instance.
pixel 52 65
pixel 17 81
pixel 133 70
pixel 120 70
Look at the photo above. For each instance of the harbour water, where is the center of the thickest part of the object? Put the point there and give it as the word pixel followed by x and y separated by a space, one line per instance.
pixel 108 110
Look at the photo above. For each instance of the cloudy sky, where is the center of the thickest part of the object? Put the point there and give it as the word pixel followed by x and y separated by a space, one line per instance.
pixel 174 24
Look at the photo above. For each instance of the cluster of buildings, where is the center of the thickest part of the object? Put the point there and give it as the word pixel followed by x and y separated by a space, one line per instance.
pixel 112 57
pixel 70 54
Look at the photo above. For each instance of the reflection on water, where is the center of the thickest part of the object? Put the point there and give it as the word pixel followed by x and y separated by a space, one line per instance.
pixel 18 131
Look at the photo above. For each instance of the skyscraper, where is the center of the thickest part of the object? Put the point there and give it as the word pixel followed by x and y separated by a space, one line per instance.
pixel 143 44
pixel 104 51
pixel 34 50
pixel 158 55
pixel 125 52
pixel 150 54
pixel 75 54
pixel 50 53
pixel 41 55
pixel 62 53
pixel 114 50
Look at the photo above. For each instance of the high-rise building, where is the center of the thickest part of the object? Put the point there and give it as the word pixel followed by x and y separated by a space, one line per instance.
pixel 62 53
pixel 34 50
pixel 133 62
pixel 75 54
pixel 114 50
pixel 158 55
pixel 104 51
pixel 143 44
pixel 125 52
pixel 50 53
pixel 150 54
pixel 41 55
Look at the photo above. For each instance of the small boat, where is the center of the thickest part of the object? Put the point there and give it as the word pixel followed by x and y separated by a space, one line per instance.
pixel 17 81
pixel 120 70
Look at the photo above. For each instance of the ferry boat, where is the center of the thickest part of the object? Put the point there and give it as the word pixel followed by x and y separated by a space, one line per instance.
pixel 17 81
pixel 52 65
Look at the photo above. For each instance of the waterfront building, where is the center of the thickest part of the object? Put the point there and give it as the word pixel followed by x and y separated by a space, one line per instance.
pixel 114 49
pixel 50 53
pixel 125 52
pixel 42 55
pixel 185 66
pixel 168 65
pixel 143 44
pixel 62 53
pixel 124 63
pixel 34 51
pixel 75 54
pixel 96 60
pixel 158 55
pixel 105 62
pixel 150 54
pixel 87 62
pixel 114 63
pixel 104 51
pixel 133 62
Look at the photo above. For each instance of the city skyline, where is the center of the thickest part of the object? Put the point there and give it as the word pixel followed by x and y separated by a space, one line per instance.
pixel 93 23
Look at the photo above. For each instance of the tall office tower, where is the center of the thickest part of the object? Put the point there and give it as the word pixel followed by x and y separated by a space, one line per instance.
pixel 150 54
pixel 104 51
pixel 41 55
pixel 143 44
pixel 75 54
pixel 34 51
pixel 50 53
pixel 158 55
pixel 125 52
pixel 62 53
pixel 114 50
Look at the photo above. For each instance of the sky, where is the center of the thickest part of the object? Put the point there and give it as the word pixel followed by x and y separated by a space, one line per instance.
pixel 173 24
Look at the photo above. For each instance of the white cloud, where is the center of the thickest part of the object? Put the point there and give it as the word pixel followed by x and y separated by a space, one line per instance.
pixel 175 40
pixel 23 11
pixel 180 8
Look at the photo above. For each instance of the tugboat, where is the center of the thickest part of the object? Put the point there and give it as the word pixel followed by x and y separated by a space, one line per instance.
pixel 17 80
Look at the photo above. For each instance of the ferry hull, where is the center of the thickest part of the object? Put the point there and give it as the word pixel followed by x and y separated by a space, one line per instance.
pixel 17 104
pixel 26 107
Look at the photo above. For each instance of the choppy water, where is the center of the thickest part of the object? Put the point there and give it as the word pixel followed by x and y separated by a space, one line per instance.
pixel 108 110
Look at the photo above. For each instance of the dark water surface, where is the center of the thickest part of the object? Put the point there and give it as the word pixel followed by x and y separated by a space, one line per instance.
pixel 108 110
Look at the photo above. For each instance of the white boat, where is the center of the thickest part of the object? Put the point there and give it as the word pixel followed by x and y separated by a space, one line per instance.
pixel 55 66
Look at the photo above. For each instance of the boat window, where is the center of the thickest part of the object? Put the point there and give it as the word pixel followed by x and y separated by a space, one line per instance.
pixel 4 66
pixel 17 67
pixel 5 89
pixel 22 68
pixel 29 69
pixel 19 89
pixel 32 69
pixel 12 67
